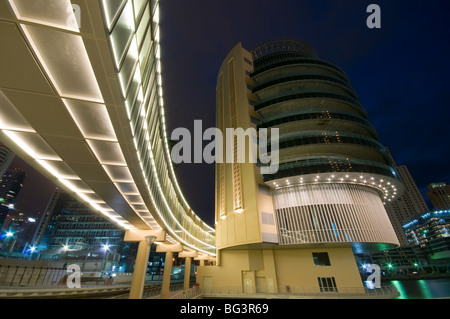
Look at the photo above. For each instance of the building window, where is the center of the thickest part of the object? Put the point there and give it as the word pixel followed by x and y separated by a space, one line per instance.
pixel 321 259
pixel 327 284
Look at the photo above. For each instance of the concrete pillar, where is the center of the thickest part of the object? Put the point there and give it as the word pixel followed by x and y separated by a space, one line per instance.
pixel 187 273
pixel 145 239
pixel 140 270
pixel 187 266
pixel 165 289
pixel 169 250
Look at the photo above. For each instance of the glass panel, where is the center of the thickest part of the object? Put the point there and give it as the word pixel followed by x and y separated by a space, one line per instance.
pixel 111 9
pixel 138 7
pixel 128 67
pixel 143 25
pixel 122 33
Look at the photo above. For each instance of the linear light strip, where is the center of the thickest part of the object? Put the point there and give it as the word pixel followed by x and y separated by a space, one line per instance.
pixel 166 147
pixel 30 152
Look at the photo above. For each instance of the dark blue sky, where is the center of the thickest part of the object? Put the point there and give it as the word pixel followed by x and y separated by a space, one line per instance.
pixel 400 71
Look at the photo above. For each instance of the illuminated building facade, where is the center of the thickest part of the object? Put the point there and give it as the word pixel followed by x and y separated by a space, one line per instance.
pixel 430 231
pixel 11 184
pixel 409 204
pixel 439 195
pixel 6 157
pixel 297 228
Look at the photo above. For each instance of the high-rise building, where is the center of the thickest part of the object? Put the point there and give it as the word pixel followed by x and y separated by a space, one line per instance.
pixel 45 217
pixel 74 225
pixel 10 185
pixel 431 232
pixel 409 204
pixel 298 227
pixel 6 158
pixel 439 195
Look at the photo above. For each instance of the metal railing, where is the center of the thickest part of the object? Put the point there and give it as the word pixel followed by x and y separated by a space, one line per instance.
pixel 288 292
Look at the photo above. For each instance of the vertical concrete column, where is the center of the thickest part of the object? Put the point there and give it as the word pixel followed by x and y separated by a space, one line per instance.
pixel 165 289
pixel 187 273
pixel 169 250
pixel 140 270
pixel 145 238
pixel 187 266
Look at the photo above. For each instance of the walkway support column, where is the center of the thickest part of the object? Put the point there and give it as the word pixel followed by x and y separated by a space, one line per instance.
pixel 145 238
pixel 187 266
pixel 169 250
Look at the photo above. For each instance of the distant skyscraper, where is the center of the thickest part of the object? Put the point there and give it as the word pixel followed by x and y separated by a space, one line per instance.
pixel 300 226
pixel 45 218
pixel 10 185
pixel 76 226
pixel 409 204
pixel 439 195
pixel 6 158
pixel 431 232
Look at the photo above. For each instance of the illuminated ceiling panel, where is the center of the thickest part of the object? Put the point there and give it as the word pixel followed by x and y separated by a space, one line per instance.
pixel 107 153
pixel 59 169
pixel 119 173
pixel 47 12
pixel 34 145
pixel 67 63
pixel 92 119
pixel 127 188
pixel 10 118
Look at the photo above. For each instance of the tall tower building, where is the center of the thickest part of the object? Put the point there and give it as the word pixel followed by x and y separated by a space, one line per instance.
pixel 297 227
pixel 10 185
pixel 6 157
pixel 409 204
pixel 439 195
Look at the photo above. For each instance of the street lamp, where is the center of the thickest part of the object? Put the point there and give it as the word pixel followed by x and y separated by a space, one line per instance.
pixel 105 257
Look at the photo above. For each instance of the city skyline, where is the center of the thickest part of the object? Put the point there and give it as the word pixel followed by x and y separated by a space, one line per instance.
pixel 196 37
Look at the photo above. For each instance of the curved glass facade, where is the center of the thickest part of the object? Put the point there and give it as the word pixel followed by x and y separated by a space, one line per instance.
pixel 333 167
pixel 300 93
pixel 135 43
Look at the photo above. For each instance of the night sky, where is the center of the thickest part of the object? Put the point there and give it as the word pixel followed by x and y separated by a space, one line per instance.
pixel 400 71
